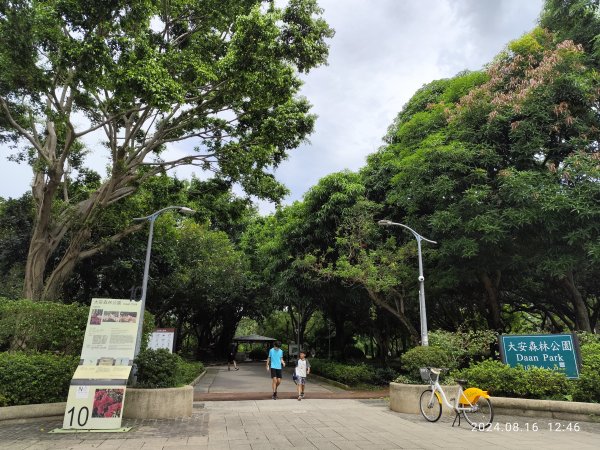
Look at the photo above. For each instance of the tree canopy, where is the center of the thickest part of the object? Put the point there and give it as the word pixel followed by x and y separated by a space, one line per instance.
pixel 221 75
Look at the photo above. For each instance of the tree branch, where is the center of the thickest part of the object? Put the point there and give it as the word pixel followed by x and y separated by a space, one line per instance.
pixel 109 241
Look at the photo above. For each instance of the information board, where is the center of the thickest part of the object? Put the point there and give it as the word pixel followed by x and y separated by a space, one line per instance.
pixel 558 352
pixel 162 338
pixel 94 407
pixel 97 391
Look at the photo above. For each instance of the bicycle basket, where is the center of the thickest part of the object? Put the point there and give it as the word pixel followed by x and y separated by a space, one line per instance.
pixel 425 374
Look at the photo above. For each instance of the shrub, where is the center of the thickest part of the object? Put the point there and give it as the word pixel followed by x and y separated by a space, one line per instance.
pixel 48 327
pixel 502 380
pixel 490 375
pixel 585 338
pixel 462 346
pixel 35 378
pixel 42 326
pixel 587 387
pixel 343 373
pixel 541 383
pixel 384 375
pixel 405 379
pixel 258 354
pixel 418 357
pixel 188 371
pixel 162 369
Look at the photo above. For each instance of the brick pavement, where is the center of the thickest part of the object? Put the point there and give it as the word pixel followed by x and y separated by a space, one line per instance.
pixel 309 424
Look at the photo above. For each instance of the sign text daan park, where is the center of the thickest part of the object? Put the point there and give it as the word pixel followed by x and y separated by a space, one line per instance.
pixel 559 352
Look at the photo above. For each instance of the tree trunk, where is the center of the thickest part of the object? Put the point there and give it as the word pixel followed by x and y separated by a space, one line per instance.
pixel 61 273
pixel 492 300
pixel 582 317
pixel 376 298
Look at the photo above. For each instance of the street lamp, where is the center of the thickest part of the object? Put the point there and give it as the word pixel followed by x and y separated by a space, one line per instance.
pixel 422 311
pixel 151 218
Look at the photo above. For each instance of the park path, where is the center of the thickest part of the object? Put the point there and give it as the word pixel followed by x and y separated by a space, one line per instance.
pixel 343 424
pixel 253 382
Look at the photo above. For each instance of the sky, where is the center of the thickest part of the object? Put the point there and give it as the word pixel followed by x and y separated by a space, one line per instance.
pixel 382 52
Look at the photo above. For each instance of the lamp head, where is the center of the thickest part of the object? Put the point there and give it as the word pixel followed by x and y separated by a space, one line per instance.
pixel 384 222
pixel 186 210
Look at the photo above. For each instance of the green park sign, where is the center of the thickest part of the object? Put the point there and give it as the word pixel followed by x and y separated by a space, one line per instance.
pixel 558 352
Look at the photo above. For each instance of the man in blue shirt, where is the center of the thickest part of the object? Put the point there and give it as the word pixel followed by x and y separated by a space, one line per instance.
pixel 274 364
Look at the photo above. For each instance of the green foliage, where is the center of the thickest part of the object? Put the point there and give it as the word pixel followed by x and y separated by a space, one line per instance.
pixel 162 369
pixel 502 380
pixel 351 375
pixel 258 354
pixel 42 326
pixel 35 378
pixel 587 387
pixel 585 338
pixel 384 375
pixel 169 69
pixel 418 357
pixel 188 371
pixel 407 379
pixel 463 346
pixel 49 327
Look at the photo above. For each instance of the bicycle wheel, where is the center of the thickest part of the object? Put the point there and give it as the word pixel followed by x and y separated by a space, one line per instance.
pixel 481 414
pixel 430 406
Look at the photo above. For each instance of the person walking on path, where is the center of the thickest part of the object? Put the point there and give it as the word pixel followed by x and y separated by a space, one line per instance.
pixel 274 364
pixel 231 359
pixel 302 371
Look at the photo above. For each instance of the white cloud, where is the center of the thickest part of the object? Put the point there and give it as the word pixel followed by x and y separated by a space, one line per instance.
pixel 383 51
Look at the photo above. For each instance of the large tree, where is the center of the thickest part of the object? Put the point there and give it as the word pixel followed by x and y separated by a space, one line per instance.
pixel 141 74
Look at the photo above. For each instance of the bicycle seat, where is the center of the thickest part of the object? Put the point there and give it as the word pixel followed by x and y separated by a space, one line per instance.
pixel 463 383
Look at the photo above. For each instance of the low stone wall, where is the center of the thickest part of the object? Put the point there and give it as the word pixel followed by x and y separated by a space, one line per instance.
pixel 32 411
pixel 405 398
pixel 168 403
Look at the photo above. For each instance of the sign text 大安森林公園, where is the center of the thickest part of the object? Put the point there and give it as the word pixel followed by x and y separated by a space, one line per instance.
pixel 549 351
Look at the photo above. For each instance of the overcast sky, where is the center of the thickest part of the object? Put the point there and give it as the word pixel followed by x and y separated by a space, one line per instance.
pixel 383 51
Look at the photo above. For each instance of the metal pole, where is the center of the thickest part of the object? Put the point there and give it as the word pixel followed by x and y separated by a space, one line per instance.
pixel 423 312
pixel 138 342
pixel 422 309
pixel 151 218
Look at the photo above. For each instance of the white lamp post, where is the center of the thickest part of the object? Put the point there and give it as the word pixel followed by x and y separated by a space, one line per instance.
pixel 151 218
pixel 422 311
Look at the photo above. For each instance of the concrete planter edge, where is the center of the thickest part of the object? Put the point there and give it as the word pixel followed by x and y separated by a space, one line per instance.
pixel 405 398
pixel 167 403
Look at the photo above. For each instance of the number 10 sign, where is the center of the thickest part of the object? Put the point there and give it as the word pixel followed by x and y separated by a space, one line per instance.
pixel 97 407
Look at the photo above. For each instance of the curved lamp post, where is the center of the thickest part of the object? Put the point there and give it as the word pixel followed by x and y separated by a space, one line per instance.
pixel 422 311
pixel 151 218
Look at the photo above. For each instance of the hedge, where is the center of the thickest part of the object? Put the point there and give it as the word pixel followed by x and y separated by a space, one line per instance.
pixel 352 375
pixel 35 378
pixel 162 369
pixel 40 327
pixel 502 380
pixel 418 357
pixel 587 388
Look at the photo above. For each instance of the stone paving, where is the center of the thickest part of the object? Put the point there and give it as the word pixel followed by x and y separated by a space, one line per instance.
pixel 312 423
pixel 253 382
pixel 309 424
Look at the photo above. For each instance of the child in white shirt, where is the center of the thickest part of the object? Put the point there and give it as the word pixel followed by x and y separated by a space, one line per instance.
pixel 302 371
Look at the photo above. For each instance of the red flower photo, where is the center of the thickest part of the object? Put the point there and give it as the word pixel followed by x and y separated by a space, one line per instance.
pixel 108 403
pixel 96 317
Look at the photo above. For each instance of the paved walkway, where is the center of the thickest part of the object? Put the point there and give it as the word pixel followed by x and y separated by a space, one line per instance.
pixel 309 424
pixel 253 382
